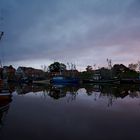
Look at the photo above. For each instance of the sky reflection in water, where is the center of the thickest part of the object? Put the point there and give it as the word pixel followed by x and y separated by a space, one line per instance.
pixel 77 112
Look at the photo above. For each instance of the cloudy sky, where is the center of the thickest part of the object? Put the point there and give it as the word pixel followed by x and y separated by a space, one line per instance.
pixel 83 32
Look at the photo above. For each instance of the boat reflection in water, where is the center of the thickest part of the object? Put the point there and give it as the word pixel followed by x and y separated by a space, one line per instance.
pixel 112 92
pixel 58 91
pixel 72 112
pixel 54 91
pixel 5 99
pixel 3 111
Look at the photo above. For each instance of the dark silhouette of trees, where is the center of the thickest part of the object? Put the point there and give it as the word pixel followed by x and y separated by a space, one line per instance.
pixel 109 61
pixel 133 66
pixel 44 68
pixel 89 68
pixel 105 73
pixel 122 71
pixel 57 67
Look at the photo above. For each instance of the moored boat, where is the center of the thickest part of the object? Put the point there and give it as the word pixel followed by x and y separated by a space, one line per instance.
pixel 5 96
pixel 62 79
pixel 4 106
pixel 5 99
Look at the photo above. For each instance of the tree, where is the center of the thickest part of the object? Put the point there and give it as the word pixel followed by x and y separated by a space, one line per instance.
pixel 57 67
pixel 139 68
pixel 138 65
pixel 105 73
pixel 133 66
pixel 123 72
pixel 94 66
pixel 44 68
pixel 89 68
pixel 109 61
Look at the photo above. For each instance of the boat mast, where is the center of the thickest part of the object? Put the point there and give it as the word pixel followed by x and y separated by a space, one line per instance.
pixel 1 32
pixel 1 24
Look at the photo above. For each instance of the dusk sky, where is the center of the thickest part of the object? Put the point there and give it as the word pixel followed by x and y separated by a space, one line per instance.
pixel 84 32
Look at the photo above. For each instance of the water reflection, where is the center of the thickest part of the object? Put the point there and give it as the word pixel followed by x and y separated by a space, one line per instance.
pixel 112 92
pixel 78 109
pixel 3 112
pixel 5 99
pixel 59 91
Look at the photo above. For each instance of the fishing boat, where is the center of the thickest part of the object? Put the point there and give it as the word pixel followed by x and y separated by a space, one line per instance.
pixel 5 99
pixel 5 96
pixel 64 80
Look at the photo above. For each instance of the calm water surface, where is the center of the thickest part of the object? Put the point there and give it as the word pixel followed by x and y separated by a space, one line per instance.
pixel 86 112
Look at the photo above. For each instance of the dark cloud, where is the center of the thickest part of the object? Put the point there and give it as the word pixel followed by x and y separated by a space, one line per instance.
pixel 82 31
pixel 134 9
